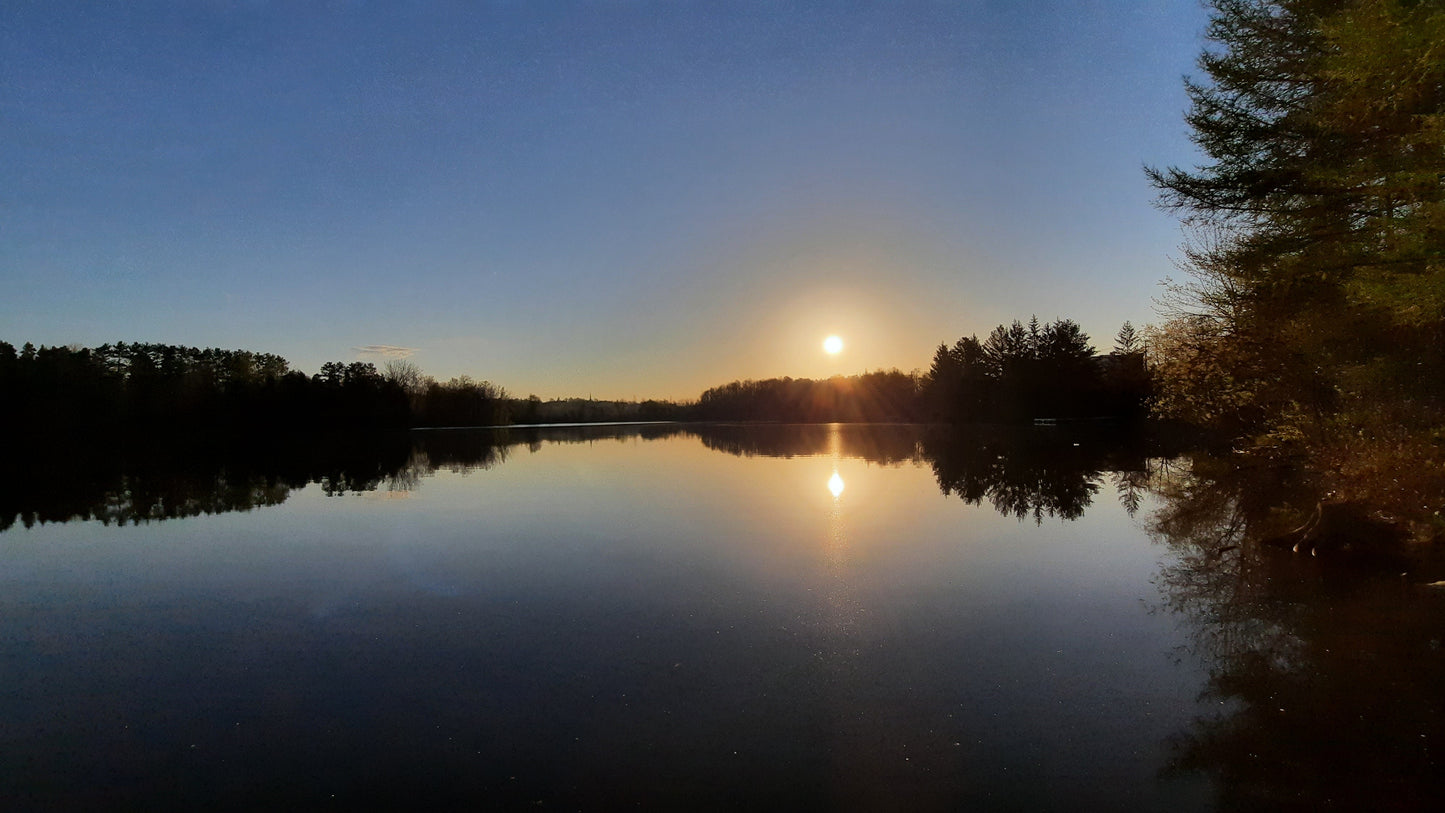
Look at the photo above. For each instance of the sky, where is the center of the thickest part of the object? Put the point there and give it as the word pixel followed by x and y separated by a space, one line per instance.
pixel 619 199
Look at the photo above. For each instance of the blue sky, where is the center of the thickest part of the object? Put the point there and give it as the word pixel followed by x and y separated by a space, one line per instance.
pixel 622 199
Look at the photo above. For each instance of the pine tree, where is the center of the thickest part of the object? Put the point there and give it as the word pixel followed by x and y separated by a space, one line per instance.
pixel 1316 310
pixel 1127 342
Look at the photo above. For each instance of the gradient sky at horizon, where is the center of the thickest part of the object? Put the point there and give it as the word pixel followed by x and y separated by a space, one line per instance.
pixel 621 199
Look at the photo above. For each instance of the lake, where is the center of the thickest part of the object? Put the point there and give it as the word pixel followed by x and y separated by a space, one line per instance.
pixel 669 616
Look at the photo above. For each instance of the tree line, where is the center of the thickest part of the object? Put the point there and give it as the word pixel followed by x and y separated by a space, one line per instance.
pixel 141 386
pixel 1020 373
pixel 162 386
pixel 1017 374
pixel 1046 371
pixel 876 397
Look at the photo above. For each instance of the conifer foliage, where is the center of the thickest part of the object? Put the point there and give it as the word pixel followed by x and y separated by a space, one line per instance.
pixel 1313 321
pixel 1021 372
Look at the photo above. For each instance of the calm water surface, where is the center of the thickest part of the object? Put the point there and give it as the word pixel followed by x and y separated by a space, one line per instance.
pixel 838 617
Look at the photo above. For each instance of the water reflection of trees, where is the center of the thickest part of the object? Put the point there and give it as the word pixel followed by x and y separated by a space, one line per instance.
pixel 1018 475
pixel 1327 662
pixel 877 443
pixel 1023 472
pixel 134 482
pixel 1020 471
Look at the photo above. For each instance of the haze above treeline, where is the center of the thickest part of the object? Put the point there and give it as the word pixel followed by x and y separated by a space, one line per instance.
pixel 1016 373
pixel 627 200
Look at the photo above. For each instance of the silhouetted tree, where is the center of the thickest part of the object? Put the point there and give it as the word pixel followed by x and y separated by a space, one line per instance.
pixel 462 402
pixel 959 386
pixel 172 388
pixel 1313 326
pixel 1128 340
pixel 879 396
pixel 1019 373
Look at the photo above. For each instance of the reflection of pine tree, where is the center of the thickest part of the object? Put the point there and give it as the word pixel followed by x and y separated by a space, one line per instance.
pixel 1326 675
pixel 1131 486
pixel 1021 474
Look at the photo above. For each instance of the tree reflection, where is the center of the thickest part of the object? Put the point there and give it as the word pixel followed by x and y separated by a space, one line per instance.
pixel 1016 474
pixel 1020 471
pixel 1327 662
pixel 1037 473
pixel 131 483
pixel 173 478
pixel 887 444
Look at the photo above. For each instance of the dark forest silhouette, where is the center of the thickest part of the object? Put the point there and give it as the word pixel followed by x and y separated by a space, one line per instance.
pixel 1018 374
pixel 1036 371
pixel 156 387
pixel 168 388
pixel 871 397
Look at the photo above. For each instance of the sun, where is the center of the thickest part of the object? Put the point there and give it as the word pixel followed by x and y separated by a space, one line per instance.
pixel 832 345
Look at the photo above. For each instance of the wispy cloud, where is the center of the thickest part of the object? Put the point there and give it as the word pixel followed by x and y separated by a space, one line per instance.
pixel 390 351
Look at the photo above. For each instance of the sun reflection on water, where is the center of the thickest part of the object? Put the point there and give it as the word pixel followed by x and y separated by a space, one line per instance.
pixel 843 606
